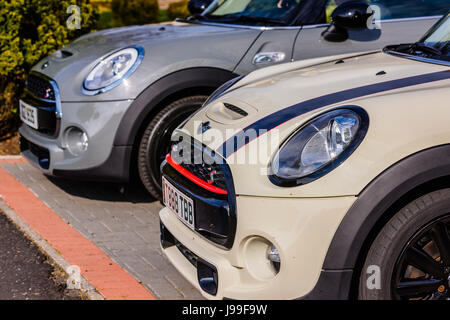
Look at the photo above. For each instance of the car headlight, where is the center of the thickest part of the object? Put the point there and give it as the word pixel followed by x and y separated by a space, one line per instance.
pixel 319 146
pixel 227 85
pixel 112 70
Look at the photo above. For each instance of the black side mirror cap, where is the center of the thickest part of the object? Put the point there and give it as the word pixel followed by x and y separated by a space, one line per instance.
pixel 198 6
pixel 353 15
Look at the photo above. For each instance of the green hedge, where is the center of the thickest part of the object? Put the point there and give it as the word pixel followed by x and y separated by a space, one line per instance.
pixel 178 10
pixel 29 31
pixel 134 12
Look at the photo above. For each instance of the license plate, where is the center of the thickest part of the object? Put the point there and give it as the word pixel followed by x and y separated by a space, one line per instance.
pixel 178 203
pixel 29 114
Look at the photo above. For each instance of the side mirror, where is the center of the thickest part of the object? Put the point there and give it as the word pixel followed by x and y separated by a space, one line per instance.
pixel 351 15
pixel 198 6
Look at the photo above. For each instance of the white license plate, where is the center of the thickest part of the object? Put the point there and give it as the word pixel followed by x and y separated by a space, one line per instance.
pixel 29 114
pixel 180 204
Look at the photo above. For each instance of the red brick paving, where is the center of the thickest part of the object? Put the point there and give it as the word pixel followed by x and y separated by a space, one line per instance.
pixel 111 280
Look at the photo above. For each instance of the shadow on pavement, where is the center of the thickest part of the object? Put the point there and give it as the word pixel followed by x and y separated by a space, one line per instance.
pixel 104 191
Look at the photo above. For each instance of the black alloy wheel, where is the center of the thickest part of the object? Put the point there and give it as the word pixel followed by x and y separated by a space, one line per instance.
pixel 410 256
pixel 423 269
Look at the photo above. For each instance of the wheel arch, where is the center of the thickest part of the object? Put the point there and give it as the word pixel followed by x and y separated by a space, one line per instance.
pixel 390 191
pixel 197 80
pixel 192 81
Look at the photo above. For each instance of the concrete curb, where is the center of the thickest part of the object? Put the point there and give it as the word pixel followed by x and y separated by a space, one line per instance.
pixel 86 287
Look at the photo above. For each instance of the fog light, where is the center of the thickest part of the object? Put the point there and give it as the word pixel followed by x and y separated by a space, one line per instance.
pixel 262 259
pixel 274 257
pixel 76 140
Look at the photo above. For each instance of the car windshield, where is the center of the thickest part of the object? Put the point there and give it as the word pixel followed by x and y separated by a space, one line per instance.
pixel 439 36
pixel 434 45
pixel 275 11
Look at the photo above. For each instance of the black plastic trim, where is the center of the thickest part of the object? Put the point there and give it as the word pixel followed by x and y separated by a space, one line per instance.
pixel 332 285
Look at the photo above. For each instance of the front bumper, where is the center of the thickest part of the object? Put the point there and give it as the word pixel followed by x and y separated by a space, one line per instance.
pixel 301 229
pixel 100 121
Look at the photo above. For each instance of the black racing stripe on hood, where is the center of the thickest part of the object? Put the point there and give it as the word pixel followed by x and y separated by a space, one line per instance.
pixel 277 118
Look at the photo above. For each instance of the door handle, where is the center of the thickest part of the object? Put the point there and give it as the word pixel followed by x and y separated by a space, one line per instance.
pixel 268 57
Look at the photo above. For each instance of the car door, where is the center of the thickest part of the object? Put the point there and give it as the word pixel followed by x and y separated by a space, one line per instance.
pixel 274 45
pixel 400 21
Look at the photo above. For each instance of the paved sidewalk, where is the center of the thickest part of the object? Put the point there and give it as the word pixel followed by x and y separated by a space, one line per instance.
pixel 122 223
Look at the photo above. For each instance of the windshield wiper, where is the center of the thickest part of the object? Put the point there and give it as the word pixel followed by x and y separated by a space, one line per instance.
pixel 420 46
pixel 196 17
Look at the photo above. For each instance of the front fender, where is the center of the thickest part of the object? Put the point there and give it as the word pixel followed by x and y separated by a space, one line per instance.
pixel 380 195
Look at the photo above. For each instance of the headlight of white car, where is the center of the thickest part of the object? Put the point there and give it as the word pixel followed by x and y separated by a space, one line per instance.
pixel 112 70
pixel 319 146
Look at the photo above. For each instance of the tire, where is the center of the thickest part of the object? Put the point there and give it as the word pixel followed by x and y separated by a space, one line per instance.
pixel 413 246
pixel 155 141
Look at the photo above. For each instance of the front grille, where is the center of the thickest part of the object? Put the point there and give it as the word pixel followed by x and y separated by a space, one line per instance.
pixel 200 163
pixel 41 93
pixel 209 173
pixel 215 213
pixel 40 88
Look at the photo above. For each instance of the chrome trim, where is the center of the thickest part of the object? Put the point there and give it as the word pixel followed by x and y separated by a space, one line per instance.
pixel 412 19
pixel 55 88
pixel 322 25
pixel 240 26
pixel 313 26
pixel 417 58
pixel 57 99
pixel 141 54
pixel 306 26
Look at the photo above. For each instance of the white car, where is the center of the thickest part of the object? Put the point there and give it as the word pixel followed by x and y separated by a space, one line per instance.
pixel 321 179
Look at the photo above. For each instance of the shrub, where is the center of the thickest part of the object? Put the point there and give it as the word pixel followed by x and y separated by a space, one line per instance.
pixel 29 31
pixel 133 12
pixel 178 10
pixel 105 21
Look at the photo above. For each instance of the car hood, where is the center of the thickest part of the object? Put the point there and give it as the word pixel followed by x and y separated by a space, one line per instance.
pixel 112 39
pixel 168 47
pixel 286 96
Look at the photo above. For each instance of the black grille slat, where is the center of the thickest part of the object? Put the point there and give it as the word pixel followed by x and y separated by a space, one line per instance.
pixel 40 88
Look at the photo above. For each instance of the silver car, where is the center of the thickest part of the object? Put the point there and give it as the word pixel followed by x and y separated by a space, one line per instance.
pixel 104 107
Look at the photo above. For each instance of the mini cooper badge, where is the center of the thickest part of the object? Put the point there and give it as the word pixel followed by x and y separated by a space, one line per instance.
pixel 205 126
pixel 45 65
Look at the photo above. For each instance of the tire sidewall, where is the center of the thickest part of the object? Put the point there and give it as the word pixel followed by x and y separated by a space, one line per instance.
pixel 152 138
pixel 394 237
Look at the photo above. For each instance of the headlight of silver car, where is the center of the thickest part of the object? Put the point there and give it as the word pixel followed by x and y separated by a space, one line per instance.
pixel 319 146
pixel 112 70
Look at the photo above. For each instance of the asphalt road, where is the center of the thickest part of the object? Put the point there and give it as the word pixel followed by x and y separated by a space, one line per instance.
pixel 25 273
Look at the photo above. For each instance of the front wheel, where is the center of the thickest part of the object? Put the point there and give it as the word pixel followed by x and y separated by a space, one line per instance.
pixel 156 140
pixel 410 257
